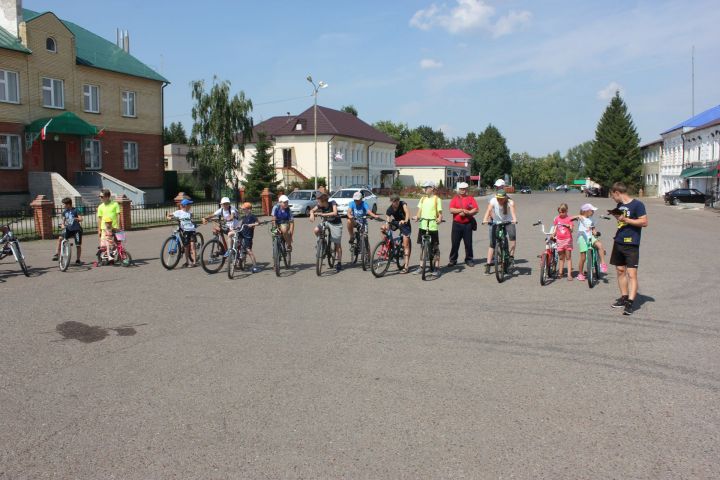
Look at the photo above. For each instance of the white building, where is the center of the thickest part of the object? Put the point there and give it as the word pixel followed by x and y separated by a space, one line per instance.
pixel 702 154
pixel 447 166
pixel 651 153
pixel 349 151
pixel 176 157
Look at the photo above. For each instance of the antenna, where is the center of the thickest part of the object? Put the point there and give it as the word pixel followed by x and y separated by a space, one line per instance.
pixel 693 80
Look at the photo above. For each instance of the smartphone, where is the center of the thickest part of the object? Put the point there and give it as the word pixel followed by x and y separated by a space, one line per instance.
pixel 615 211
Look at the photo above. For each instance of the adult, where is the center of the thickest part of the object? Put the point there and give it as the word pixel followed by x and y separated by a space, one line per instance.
pixel 108 209
pixel 328 209
pixel 463 208
pixel 282 218
pixel 501 209
pixel 399 214
pixel 632 218
pixel 429 214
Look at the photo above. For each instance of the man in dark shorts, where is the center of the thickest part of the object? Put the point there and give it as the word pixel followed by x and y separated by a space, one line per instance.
pixel 632 217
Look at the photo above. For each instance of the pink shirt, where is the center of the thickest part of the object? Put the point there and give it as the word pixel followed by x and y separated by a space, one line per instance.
pixel 563 227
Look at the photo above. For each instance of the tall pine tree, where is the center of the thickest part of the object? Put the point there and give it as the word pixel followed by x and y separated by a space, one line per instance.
pixel 615 155
pixel 491 158
pixel 262 170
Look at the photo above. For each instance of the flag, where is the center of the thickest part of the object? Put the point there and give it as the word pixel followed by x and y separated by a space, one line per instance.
pixel 43 132
pixel 101 133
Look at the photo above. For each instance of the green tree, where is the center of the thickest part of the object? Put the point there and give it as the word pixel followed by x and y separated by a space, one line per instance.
pixel 262 169
pixel 434 139
pixel 219 123
pixel 174 134
pixel 492 157
pixel 576 158
pixel 349 109
pixel 615 155
pixel 407 139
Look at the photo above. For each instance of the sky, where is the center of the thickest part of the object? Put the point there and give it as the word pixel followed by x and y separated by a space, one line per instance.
pixel 541 72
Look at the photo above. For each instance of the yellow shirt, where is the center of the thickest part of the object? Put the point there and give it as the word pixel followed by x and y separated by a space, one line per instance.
pixel 430 207
pixel 111 210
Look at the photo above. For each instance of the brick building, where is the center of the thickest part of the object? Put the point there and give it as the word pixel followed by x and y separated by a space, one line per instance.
pixel 102 110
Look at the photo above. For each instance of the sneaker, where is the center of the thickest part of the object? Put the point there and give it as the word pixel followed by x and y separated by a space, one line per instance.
pixel 435 274
pixel 451 263
pixel 417 271
pixel 338 267
pixel 512 263
pixel 581 277
pixel 470 263
pixel 603 267
pixel 227 252
pixel 78 262
pixel 628 308
pixel 488 267
pixel 619 303
pixel 56 258
pixel 255 270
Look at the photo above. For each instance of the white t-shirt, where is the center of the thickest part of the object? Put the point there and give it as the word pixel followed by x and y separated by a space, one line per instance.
pixel 235 223
pixel 585 226
pixel 186 223
pixel 497 214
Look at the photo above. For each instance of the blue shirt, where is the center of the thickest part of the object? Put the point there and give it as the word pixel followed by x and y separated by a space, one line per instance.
pixel 248 219
pixel 280 215
pixel 70 220
pixel 629 234
pixel 358 210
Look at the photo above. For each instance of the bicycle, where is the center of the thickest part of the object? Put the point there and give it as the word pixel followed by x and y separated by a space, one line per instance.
pixel 237 253
pixel 549 257
pixel 501 253
pixel 592 259
pixel 360 248
pixel 173 248
pixel 11 246
pixel 117 255
pixel 427 253
pixel 324 248
pixel 65 256
pixel 280 251
pixel 212 254
pixel 388 249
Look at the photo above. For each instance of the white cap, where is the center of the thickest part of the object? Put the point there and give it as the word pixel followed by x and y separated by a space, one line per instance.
pixel 587 207
pixel 427 184
pixel 499 182
pixel 283 198
pixel 357 196
pixel 462 185
pixel 224 200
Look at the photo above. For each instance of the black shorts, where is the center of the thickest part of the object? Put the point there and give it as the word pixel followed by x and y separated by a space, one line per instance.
pixel 189 237
pixel 77 235
pixel 246 242
pixel 625 255
pixel 434 238
pixel 509 231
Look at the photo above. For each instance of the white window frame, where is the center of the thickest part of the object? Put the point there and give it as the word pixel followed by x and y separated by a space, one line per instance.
pixel 127 103
pixel 88 98
pixel 5 86
pixel 93 154
pixel 131 162
pixel 51 89
pixel 6 148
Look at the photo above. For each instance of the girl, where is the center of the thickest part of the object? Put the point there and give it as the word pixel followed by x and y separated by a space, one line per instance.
pixel 586 238
pixel 231 217
pixel 563 227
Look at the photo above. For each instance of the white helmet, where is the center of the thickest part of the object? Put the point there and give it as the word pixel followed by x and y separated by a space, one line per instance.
pixel 224 200
pixel 283 198
pixel 499 182
pixel 357 196
pixel 427 184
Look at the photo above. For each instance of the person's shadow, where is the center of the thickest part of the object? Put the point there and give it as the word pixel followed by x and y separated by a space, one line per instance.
pixel 641 300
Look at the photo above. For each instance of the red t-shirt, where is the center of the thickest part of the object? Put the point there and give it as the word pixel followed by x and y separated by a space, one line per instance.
pixel 466 203
pixel 564 226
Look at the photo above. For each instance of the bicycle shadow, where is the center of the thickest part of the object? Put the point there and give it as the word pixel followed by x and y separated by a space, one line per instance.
pixel 641 300
pixel 33 271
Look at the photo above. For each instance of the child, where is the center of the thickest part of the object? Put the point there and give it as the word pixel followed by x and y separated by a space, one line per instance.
pixel 250 221
pixel 586 237
pixel 187 227
pixel 107 236
pixel 70 221
pixel 563 227
pixel 230 215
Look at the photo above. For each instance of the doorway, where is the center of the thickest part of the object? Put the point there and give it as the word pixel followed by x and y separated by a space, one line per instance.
pixel 55 157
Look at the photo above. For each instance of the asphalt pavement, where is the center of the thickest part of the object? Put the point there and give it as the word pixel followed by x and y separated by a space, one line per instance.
pixel 143 373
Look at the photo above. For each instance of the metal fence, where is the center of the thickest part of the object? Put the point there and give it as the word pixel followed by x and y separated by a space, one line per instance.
pixel 23 223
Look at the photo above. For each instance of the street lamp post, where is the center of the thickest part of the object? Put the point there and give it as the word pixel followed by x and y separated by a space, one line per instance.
pixel 317 87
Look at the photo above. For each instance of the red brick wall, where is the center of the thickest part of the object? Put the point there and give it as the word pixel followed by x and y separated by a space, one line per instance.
pixel 15 180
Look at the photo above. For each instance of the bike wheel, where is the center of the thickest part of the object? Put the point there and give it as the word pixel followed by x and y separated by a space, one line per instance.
pixel 381 258
pixel 276 256
pixel 544 269
pixel 125 258
pixel 212 256
pixel 232 256
pixel 319 255
pixel 355 250
pixel 498 258
pixel 199 243
pixel 425 255
pixel 171 252
pixel 65 255
pixel 331 254
pixel 287 256
pixel 17 252
pixel 593 271
pixel 365 254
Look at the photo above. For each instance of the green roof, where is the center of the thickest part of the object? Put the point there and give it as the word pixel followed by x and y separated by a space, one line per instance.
pixel 11 42
pixel 94 51
pixel 66 122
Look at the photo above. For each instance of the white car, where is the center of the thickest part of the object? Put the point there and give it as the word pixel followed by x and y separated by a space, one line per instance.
pixel 344 196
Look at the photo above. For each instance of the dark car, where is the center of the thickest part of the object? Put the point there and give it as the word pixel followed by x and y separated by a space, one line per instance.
pixel 684 195
pixel 592 192
pixel 525 190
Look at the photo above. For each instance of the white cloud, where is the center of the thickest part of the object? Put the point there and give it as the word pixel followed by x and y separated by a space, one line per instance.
pixel 608 92
pixel 426 63
pixel 468 15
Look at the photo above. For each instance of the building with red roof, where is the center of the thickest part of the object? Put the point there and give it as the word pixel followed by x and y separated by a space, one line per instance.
pixel 448 166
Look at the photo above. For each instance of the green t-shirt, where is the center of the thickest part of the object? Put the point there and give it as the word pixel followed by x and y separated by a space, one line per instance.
pixel 430 207
pixel 111 210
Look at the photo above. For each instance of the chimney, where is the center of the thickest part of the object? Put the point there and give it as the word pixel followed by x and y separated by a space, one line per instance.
pixel 11 15
pixel 126 42
pixel 122 39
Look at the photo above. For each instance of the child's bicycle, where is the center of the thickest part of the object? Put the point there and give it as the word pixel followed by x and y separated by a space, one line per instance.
pixel 387 250
pixel 212 254
pixel 279 249
pixel 324 248
pixel 501 253
pixel 173 247
pixel 237 252
pixel 592 259
pixel 65 256
pixel 116 255
pixel 549 256
pixel 427 252
pixel 9 245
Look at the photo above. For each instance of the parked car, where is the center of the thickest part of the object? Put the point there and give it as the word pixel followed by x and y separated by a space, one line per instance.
pixel 592 192
pixel 302 201
pixel 343 197
pixel 525 190
pixel 564 188
pixel 684 195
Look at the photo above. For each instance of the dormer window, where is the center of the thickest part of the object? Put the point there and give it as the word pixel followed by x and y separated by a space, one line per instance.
pixel 298 126
pixel 51 45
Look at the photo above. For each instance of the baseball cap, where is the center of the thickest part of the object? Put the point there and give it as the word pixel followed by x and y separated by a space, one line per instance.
pixel 428 184
pixel 588 206
pixel 500 194
pixel 357 196
pixel 499 182
pixel 224 200
pixel 247 206
pixel 283 198
pixel 462 185
pixel 186 202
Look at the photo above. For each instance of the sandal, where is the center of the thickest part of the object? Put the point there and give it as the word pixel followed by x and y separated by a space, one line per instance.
pixel 404 270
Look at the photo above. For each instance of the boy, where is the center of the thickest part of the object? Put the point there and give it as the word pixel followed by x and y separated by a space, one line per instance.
pixel 187 228
pixel 250 221
pixel 70 221
pixel 282 218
